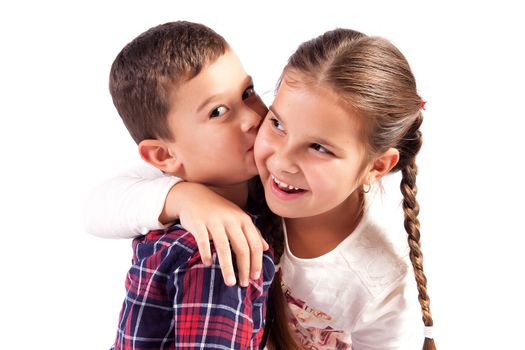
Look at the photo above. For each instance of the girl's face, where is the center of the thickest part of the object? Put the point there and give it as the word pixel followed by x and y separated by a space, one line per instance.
pixel 309 151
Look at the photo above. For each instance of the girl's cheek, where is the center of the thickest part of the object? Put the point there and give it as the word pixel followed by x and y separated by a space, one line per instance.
pixel 257 151
pixel 262 147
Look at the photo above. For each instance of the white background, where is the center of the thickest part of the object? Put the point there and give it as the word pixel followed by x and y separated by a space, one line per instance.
pixel 60 135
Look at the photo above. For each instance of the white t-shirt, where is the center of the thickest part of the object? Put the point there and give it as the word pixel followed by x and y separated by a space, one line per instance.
pixel 361 295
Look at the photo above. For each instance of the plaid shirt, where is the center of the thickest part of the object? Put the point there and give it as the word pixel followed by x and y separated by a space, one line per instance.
pixel 173 301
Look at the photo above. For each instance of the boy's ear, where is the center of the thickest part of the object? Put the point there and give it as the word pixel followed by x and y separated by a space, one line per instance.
pixel 158 154
pixel 382 165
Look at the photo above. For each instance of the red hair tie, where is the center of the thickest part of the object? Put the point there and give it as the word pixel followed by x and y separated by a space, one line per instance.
pixel 423 103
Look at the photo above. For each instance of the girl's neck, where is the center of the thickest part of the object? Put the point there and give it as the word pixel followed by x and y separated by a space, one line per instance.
pixel 311 237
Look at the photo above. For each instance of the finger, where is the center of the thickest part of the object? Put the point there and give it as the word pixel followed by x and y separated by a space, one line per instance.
pixel 222 246
pixel 253 237
pixel 200 233
pixel 242 253
pixel 265 244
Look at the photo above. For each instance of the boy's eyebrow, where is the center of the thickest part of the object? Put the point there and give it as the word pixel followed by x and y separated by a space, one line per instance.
pixel 246 81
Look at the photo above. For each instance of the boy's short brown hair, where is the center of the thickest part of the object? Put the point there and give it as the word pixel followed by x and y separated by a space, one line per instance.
pixel 148 68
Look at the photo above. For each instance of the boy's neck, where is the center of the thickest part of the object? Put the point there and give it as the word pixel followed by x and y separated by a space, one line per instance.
pixel 237 194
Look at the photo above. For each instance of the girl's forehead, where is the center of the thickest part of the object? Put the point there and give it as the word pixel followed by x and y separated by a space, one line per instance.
pixel 316 112
pixel 296 93
pixel 301 88
pixel 315 86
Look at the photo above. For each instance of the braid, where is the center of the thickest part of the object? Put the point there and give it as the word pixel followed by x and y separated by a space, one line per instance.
pixel 411 146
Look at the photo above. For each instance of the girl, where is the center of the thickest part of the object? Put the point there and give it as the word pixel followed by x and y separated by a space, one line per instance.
pixel 346 114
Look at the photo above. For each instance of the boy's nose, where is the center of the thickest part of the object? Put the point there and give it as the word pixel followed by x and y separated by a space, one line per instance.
pixel 255 112
pixel 250 120
pixel 259 107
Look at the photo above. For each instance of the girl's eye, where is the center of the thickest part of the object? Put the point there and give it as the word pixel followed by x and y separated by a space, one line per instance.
pixel 217 112
pixel 320 148
pixel 276 124
pixel 248 92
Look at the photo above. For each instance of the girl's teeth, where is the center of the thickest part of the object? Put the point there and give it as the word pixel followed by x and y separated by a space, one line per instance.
pixel 284 185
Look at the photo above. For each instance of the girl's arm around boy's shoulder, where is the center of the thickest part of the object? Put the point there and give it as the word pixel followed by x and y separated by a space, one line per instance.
pixel 128 204
pixel 144 199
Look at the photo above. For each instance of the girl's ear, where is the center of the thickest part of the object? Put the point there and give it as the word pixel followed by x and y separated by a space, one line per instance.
pixel 161 156
pixel 382 165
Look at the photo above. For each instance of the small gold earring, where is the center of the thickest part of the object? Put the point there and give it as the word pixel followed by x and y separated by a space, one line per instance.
pixel 365 189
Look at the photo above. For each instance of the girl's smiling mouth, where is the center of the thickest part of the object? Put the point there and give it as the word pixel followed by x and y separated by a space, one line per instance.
pixel 283 190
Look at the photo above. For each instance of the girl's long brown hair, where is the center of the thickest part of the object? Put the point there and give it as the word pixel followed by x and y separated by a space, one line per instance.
pixel 375 79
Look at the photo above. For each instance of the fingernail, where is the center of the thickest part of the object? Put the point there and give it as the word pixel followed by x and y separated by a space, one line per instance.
pixel 230 280
pixel 256 275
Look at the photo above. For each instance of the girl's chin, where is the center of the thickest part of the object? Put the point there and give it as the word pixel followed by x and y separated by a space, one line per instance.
pixel 287 210
pixel 286 213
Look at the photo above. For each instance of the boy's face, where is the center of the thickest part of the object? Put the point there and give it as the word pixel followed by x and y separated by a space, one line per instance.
pixel 214 120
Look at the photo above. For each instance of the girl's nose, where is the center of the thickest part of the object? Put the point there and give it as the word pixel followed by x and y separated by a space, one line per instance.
pixel 284 162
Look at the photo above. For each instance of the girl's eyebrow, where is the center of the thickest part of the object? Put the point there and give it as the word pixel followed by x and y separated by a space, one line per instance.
pixel 271 108
pixel 317 139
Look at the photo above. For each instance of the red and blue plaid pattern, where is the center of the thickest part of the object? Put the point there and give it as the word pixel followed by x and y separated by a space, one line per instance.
pixel 173 301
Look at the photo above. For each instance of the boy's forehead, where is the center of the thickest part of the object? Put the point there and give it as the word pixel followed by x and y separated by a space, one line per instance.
pixel 224 78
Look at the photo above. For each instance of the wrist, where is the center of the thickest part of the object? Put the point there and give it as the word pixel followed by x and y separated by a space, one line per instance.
pixel 171 209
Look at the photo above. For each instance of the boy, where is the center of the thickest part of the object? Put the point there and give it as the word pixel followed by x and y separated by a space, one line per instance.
pixel 187 102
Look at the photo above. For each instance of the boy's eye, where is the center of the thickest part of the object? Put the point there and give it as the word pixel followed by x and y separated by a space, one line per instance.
pixel 217 112
pixel 320 148
pixel 276 124
pixel 248 92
